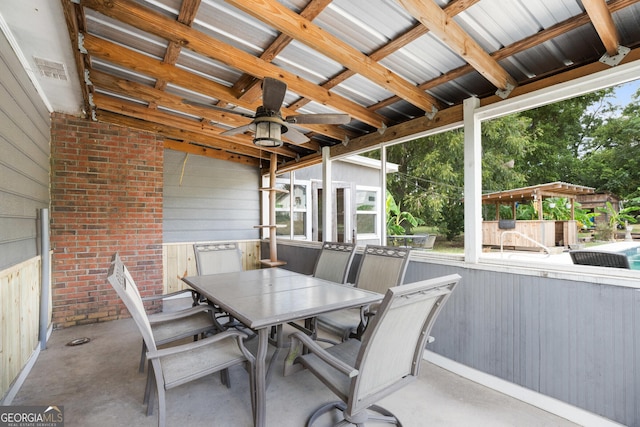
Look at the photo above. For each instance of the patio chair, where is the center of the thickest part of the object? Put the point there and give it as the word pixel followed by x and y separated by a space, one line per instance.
pixel 363 372
pixel 600 259
pixel 381 267
pixel 334 261
pixel 173 326
pixel 333 264
pixel 215 258
pixel 428 243
pixel 180 364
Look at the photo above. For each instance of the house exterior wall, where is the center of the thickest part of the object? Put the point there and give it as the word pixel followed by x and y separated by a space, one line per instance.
pixel 208 199
pixel 24 190
pixel 24 160
pixel 343 172
pixel 106 186
pixel 351 176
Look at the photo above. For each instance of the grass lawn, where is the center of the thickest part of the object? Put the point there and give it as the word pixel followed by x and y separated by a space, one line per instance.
pixel 442 245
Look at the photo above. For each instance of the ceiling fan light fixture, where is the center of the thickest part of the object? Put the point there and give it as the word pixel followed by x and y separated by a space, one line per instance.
pixel 268 134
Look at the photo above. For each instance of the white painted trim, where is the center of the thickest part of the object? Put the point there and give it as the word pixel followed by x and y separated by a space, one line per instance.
pixel 327 196
pixel 369 163
pixel 472 181
pixel 603 79
pixel 383 195
pixel 546 403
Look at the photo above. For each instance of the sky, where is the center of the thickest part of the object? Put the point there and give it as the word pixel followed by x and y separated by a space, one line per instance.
pixel 621 96
pixel 624 93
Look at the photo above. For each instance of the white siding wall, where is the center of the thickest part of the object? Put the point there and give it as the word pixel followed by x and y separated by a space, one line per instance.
pixel 213 200
pixel 24 160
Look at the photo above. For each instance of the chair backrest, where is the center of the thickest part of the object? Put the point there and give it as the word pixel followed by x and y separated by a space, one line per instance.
pixel 334 261
pixel 403 323
pixel 382 267
pixel 214 258
pixel 601 259
pixel 121 280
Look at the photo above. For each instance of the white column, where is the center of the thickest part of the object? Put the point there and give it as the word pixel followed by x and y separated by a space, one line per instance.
pixel 472 181
pixel 327 199
pixel 383 195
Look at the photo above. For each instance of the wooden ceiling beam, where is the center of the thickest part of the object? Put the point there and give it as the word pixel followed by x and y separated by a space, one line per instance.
pixel 286 21
pixel 447 30
pixel 238 143
pixel 153 96
pixel 148 94
pixel 180 140
pixel 247 85
pixel 451 9
pixel 187 14
pixel 603 22
pixel 161 26
pixel 452 117
pixel 211 152
pixel 514 48
pixel 144 64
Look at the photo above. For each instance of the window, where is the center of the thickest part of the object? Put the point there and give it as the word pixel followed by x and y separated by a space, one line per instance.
pixel 367 212
pixel 293 216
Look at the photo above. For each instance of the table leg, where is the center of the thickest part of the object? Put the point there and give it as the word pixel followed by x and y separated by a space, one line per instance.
pixel 261 374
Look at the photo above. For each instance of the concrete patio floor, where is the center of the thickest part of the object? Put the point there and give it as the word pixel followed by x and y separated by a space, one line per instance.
pixel 98 384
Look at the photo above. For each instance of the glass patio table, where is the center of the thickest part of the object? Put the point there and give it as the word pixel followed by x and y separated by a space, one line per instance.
pixel 262 299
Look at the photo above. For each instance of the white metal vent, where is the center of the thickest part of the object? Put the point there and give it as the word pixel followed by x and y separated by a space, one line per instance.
pixel 51 69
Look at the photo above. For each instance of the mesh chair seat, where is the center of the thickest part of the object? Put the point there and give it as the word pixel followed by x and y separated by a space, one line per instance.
pixel 172 330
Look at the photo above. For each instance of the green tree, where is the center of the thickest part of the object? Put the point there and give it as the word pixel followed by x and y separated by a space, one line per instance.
pixel 584 140
pixel 430 176
pixel 612 159
pixel 559 132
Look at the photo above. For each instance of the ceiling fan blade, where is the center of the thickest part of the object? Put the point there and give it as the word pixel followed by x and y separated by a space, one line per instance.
pixel 273 92
pixel 215 107
pixel 295 136
pixel 329 119
pixel 239 129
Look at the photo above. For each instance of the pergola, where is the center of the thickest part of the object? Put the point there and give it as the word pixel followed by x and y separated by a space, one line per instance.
pixel 539 232
pixel 537 193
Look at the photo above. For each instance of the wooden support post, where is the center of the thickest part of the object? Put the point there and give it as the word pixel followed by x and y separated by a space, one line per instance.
pixel 273 244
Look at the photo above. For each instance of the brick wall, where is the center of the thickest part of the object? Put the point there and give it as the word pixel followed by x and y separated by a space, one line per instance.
pixel 106 196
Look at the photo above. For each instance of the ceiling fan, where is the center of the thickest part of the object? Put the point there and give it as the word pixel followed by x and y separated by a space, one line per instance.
pixel 268 125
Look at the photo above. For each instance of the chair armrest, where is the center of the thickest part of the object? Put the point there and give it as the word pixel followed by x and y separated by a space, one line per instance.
pixel 299 341
pixel 192 345
pixel 181 314
pixel 172 294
